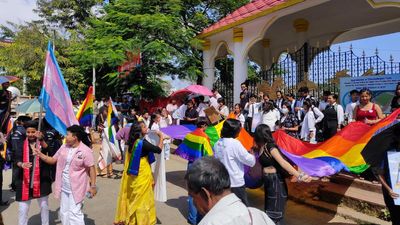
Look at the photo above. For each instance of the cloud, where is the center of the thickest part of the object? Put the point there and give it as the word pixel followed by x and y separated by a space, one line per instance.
pixel 17 11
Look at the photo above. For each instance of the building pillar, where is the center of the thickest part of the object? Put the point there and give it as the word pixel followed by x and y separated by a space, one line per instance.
pixel 301 26
pixel 239 64
pixel 208 65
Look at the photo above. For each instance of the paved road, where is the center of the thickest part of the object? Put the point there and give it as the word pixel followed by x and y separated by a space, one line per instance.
pixel 100 210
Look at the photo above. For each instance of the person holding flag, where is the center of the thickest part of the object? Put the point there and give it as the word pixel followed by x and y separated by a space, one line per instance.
pixel 75 176
pixel 41 187
pixel 110 148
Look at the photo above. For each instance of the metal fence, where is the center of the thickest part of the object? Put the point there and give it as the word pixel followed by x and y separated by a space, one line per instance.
pixel 319 65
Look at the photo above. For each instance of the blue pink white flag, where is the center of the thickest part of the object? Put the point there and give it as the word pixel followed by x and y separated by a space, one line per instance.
pixel 55 97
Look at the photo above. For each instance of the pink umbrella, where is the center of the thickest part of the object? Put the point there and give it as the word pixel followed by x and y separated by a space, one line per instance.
pixel 194 88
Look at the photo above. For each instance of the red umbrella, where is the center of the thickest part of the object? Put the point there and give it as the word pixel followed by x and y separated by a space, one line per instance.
pixel 192 89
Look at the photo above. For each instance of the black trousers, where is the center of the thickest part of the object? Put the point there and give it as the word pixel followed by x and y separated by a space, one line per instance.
pixel 247 125
pixel 393 209
pixel 275 190
pixel 240 192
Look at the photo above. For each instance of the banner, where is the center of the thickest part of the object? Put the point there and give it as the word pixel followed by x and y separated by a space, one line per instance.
pixel 394 168
pixel 382 87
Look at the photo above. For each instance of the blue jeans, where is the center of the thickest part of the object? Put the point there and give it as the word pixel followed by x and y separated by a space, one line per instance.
pixel 193 216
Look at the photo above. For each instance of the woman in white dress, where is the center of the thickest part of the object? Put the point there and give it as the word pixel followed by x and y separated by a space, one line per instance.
pixel 222 108
pixel 270 115
pixel 160 186
pixel 166 120
pixel 238 114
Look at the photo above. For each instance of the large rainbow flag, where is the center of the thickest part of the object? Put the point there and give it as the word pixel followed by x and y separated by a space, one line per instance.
pixel 344 151
pixel 85 113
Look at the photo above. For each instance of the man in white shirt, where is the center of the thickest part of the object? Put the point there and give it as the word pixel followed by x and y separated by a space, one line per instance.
pixel 209 184
pixel 172 106
pixel 214 99
pixel 354 94
pixel 324 103
pixel 234 156
pixel 279 100
pixel 201 107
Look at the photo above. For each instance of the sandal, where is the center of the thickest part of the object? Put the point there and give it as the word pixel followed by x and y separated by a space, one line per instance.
pixel 101 175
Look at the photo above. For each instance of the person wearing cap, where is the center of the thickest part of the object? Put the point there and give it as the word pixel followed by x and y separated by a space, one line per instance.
pixel 15 142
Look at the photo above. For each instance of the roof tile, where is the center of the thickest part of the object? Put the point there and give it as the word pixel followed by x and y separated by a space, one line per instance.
pixel 243 12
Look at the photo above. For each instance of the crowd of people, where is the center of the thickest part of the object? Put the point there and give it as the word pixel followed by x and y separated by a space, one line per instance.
pixel 215 177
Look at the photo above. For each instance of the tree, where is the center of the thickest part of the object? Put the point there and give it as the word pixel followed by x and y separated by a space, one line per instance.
pixel 164 32
pixel 26 57
pixel 68 14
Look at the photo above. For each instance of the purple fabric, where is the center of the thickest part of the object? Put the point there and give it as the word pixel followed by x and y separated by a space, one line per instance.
pixel 312 167
pixel 176 131
pixel 123 134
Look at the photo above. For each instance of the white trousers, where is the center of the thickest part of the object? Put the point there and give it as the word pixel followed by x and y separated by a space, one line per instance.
pixel 70 212
pixel 23 211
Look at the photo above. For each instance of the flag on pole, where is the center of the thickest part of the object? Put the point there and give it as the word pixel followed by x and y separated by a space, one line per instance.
pixel 85 113
pixel 110 146
pixel 55 97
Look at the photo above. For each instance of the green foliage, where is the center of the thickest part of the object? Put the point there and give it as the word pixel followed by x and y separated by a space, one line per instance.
pixel 26 57
pixel 164 31
pixel 68 14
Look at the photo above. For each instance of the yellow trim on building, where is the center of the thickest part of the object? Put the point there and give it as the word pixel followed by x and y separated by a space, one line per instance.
pixel 301 25
pixel 383 4
pixel 206 44
pixel 252 17
pixel 237 34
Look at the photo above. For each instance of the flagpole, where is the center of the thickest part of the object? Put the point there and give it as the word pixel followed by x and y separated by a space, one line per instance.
pixel 94 92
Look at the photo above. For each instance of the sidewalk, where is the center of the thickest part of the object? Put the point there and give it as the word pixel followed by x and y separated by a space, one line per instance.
pixel 101 209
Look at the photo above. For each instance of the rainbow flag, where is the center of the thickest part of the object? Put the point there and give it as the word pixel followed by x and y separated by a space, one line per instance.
pixel 110 147
pixel 344 151
pixel 85 113
pixel 55 96
pixel 195 145
pixel 214 133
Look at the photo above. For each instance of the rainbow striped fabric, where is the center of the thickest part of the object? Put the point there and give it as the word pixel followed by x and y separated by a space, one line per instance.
pixel 344 151
pixel 85 113
pixel 214 133
pixel 195 145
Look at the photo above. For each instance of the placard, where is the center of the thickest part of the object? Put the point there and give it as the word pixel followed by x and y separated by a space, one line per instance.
pixel 212 114
pixel 381 86
pixel 394 170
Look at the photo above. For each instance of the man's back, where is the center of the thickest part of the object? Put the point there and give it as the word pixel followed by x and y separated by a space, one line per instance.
pixel 230 210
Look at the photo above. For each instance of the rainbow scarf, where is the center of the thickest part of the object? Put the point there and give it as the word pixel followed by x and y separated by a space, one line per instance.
pixel 85 113
pixel 195 145
pixel 344 151
pixel 134 161
pixel 26 175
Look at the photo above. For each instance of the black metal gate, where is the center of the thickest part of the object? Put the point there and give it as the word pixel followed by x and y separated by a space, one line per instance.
pixel 319 65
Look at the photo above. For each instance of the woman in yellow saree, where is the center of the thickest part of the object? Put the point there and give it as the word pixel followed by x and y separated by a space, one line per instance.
pixel 135 204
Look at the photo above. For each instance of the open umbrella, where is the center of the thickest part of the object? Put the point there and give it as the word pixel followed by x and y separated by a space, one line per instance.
pixel 29 106
pixel 5 79
pixel 192 89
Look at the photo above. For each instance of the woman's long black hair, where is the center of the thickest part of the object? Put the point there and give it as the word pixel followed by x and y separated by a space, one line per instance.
pixel 81 134
pixel 134 133
pixel 263 136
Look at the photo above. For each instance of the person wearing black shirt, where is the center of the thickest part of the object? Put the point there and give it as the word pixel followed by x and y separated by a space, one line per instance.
pixel 191 114
pixel 5 106
pixel 396 99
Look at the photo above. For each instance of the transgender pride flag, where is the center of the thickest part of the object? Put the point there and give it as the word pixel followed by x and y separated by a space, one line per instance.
pixel 55 96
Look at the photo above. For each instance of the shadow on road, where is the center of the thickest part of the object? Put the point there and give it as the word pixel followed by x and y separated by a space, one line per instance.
pixel 177 178
pixel 7 196
pixel 179 203
pixel 53 218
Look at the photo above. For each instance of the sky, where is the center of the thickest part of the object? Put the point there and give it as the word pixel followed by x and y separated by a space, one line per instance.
pixel 18 11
